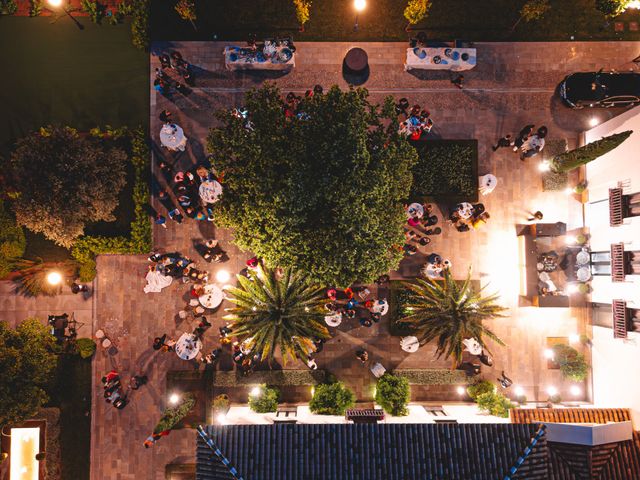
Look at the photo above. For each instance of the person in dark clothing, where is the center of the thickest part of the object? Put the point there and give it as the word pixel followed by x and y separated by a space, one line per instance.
pixel 158 342
pixel 522 137
pixel 318 90
pixel 458 81
pixel 362 355
pixel 165 61
pixel 165 116
pixel 502 143
pixel 505 381
pixel 536 216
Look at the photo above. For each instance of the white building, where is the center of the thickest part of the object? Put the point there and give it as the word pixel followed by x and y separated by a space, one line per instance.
pixel 616 361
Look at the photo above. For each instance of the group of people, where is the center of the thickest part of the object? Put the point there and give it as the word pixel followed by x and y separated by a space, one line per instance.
pixel 345 303
pixel 177 266
pixel 420 227
pixel 466 216
pixel 113 391
pixel 414 121
pixel 185 186
pixel 164 83
pixel 293 103
pixel 527 142
pixel 435 266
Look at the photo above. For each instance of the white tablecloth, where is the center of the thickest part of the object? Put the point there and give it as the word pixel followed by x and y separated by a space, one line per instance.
pixel 465 210
pixel 210 191
pixel 410 344
pixel 415 210
pixel 212 297
pixel 380 306
pixel 172 137
pixel 156 281
pixel 472 346
pixel 247 64
pixel 333 320
pixel 487 183
pixel 453 62
pixel 188 346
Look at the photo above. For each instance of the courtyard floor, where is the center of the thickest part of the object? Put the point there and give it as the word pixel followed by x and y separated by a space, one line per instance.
pixel 514 84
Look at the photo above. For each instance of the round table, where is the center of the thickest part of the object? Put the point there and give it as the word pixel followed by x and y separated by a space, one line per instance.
pixel 465 210
pixel 188 346
pixel 172 137
pixel 380 306
pixel 410 344
pixel 210 191
pixel 415 210
pixel 333 320
pixel 356 60
pixel 212 297
pixel 487 183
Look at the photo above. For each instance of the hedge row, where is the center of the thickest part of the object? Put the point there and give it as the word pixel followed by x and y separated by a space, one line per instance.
pixel 282 378
pixel 432 376
pixel 86 248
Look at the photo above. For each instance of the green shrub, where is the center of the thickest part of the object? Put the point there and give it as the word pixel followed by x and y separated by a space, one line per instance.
pixel 555 398
pixel 281 378
pixel 393 394
pixel 266 401
pixel 416 10
pixel 303 8
pixel 495 404
pixel 432 376
pixel 612 8
pixel 86 347
pixel 480 388
pixel 140 24
pixel 12 241
pixel 447 170
pixel 94 9
pixel 35 7
pixel 8 7
pixel 331 399
pixel 221 404
pixel 580 156
pixel 172 416
pixel 572 363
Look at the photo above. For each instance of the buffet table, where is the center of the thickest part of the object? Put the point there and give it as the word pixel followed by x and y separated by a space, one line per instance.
pixel 276 58
pixel 443 58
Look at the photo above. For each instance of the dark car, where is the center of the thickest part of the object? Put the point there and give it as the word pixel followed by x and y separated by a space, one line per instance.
pixel 601 89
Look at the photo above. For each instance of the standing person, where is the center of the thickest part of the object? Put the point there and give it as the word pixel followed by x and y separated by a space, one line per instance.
pixel 311 363
pixel 458 81
pixel 165 116
pixel 522 137
pixel 161 220
pixel 536 216
pixel 480 220
pixel 176 216
pixel 502 142
pixel 362 355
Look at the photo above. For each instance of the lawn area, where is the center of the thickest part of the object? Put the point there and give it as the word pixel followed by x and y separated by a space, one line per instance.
pixel 71 393
pixel 383 20
pixel 56 73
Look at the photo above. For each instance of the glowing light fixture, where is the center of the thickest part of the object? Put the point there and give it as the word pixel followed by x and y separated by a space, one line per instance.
pixel 593 121
pixel 54 278
pixel 574 338
pixel 572 288
pixel 544 166
pixel 519 391
pixel 222 276
pixel 255 391
pixel 548 353
pixel 221 418
pixel 551 390
pixel 575 390
pixel 570 239
pixel 360 5
pixel 174 398
pixel 461 390
pixel 55 3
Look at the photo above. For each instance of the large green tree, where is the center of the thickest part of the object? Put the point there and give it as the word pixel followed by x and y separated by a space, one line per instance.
pixel 448 312
pixel 65 181
pixel 27 362
pixel 582 155
pixel 321 191
pixel 276 311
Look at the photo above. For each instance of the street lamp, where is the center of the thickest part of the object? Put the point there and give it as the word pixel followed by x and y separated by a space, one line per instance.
pixel 54 278
pixel 359 5
pixel 174 398
pixel 55 4
pixel 222 276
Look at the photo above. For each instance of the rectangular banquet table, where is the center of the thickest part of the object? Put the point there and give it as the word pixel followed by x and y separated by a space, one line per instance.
pixel 447 63
pixel 246 64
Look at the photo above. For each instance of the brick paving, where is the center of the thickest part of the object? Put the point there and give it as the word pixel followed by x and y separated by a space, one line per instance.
pixel 513 85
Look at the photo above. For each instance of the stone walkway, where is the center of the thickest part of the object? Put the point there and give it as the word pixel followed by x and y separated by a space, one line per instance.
pixel 513 85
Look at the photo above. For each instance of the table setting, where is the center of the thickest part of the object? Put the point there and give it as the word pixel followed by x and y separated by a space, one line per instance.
pixel 188 346
pixel 415 210
pixel 440 58
pixel 210 191
pixel 172 137
pixel 410 344
pixel 274 55
pixel 212 296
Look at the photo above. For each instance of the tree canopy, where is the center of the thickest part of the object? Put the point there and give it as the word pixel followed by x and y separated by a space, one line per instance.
pixel 65 181
pixel 27 362
pixel 321 190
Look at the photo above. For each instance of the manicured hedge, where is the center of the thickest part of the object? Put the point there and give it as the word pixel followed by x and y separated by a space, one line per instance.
pixel 86 248
pixel 446 170
pixel 432 376
pixel 280 378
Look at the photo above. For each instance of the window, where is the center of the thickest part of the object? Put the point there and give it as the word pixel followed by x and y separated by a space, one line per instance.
pixel 600 263
pixel 622 206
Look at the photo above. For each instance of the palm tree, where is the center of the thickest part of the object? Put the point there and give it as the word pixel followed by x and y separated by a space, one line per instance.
pixel 449 312
pixel 278 310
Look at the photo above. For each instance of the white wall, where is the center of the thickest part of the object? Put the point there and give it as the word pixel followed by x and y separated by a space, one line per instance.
pixel 616 371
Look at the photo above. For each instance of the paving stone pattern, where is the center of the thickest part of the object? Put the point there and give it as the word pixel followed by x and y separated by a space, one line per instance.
pixel 512 85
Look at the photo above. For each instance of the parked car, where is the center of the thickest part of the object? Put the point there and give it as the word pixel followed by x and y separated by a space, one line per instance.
pixel 601 89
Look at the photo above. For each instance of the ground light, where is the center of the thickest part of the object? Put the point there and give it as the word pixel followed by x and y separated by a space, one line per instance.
pixel 572 288
pixel 460 390
pixel 359 5
pixel 222 276
pixel 221 418
pixel 574 338
pixel 54 278
pixel 519 391
pixel 548 353
pixel 593 121
pixel 552 391
pixel 255 391
pixel 544 166
pixel 174 398
pixel 575 390
pixel 57 4
pixel 568 191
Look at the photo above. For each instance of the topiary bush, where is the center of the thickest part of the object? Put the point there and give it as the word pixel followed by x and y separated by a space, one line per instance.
pixel 86 347
pixel 572 159
pixel 266 401
pixel 393 394
pixel 495 404
pixel 572 363
pixel 480 388
pixel 331 399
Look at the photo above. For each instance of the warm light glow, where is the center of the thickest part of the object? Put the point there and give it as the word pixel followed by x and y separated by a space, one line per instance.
pixel 359 5
pixel 25 445
pixel 551 390
pixel 255 391
pixel 221 418
pixel 54 3
pixel 572 288
pixel 313 391
pixel 634 4
pixel 54 278
pixel 568 191
pixel 593 121
pixel 519 391
pixel 461 390
pixel 574 338
pixel 544 166
pixel 548 353
pixel 570 240
pixel 174 398
pixel 575 390
pixel 222 276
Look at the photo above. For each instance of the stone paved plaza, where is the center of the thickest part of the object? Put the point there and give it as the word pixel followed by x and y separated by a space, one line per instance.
pixel 513 85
